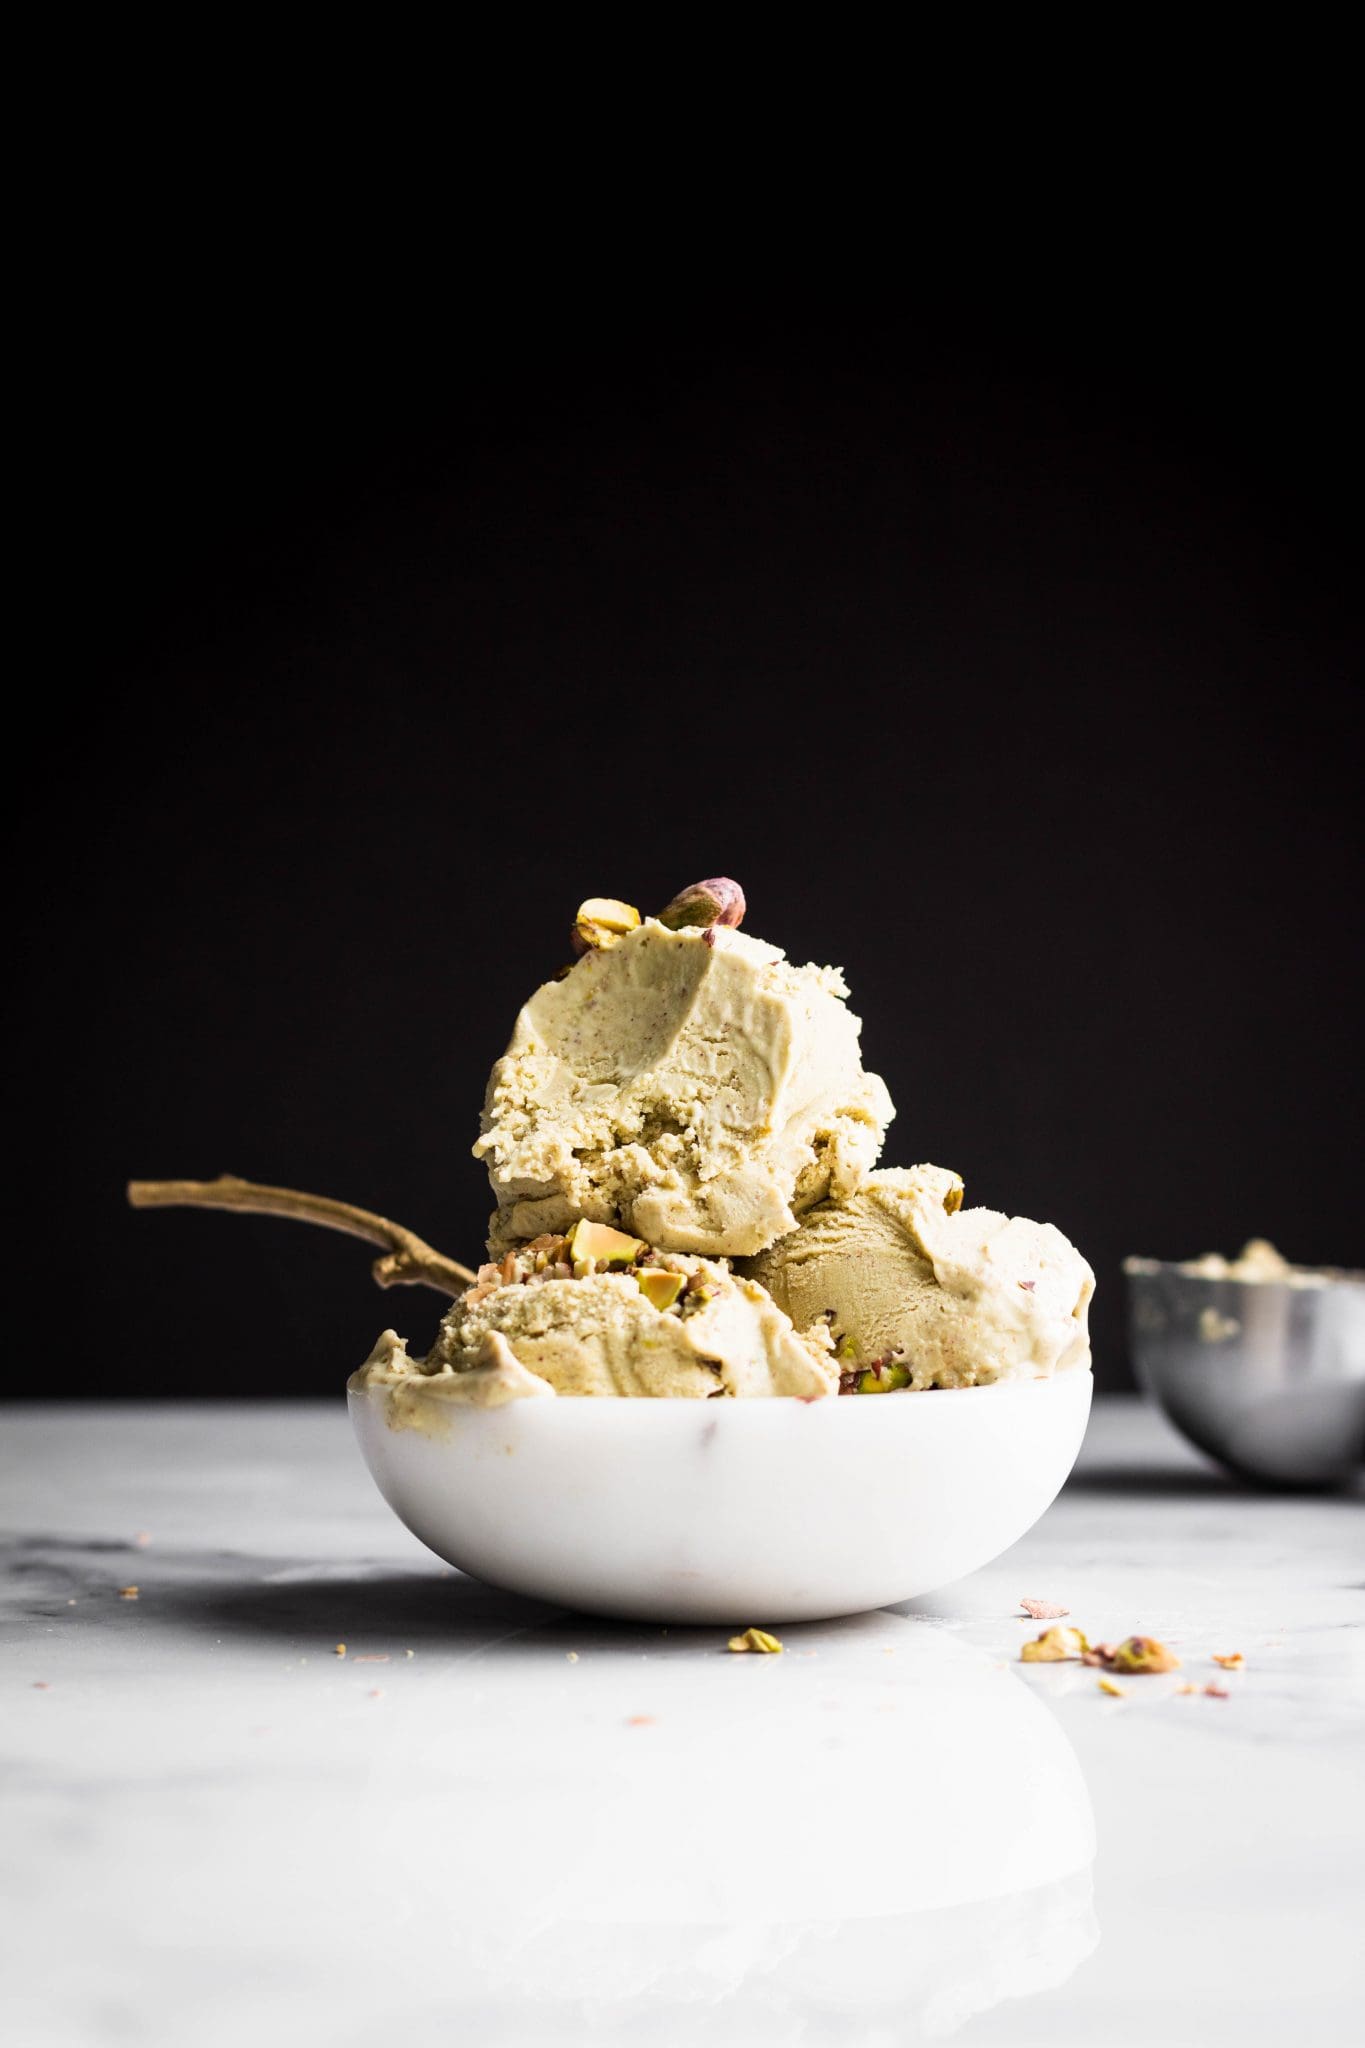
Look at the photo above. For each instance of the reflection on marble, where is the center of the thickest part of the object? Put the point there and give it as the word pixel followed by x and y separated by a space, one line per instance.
pixel 539 1829
pixel 885 1822
pixel 949 1868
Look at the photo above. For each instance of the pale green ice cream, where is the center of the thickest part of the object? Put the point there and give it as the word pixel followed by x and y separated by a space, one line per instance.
pixel 956 1297
pixel 691 1087
pixel 600 1334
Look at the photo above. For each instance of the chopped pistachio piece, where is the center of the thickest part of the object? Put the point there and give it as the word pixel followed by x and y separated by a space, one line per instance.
pixel 1115 1692
pixel 1144 1653
pixel 1055 1646
pixel 603 1246
pixel 660 1288
pixel 755 1639
pixel 884 1379
pixel 601 922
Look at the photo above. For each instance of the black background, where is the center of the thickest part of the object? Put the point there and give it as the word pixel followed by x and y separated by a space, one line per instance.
pixel 1006 652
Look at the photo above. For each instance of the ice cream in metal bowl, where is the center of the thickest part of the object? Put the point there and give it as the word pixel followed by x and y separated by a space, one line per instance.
pixel 1259 1363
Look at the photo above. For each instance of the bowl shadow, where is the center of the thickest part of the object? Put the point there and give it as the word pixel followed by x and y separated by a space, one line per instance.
pixel 310 1605
pixel 1132 1483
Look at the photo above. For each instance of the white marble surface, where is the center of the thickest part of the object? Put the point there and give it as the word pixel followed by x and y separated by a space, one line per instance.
pixel 537 1828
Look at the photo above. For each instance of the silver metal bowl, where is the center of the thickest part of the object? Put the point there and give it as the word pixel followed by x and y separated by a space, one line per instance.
pixel 1266 1376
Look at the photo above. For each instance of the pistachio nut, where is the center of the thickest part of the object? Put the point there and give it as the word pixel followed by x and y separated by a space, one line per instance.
pixel 884 1379
pixel 592 1246
pixel 602 921
pixel 1144 1653
pixel 755 1639
pixel 715 901
pixel 1055 1646
pixel 659 1287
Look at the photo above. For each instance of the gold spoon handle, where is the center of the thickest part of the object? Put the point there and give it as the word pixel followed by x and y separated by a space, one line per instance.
pixel 407 1261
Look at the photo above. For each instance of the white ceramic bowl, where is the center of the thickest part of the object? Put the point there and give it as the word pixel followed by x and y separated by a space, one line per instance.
pixel 729 1511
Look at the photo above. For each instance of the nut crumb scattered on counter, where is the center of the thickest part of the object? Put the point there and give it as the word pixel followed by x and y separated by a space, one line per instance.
pixel 642 1721
pixel 127 1592
pixel 1055 1646
pixel 571 1656
pixel 340 1650
pixel 379 1658
pixel 1115 1692
pixel 1043 1610
pixel 1070 1645
pixel 41 1685
pixel 1143 1653
pixel 755 1639
pixel 1234 1661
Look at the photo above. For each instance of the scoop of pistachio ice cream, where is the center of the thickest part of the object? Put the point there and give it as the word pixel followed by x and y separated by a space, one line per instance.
pixel 932 1294
pixel 647 1323
pixel 691 1086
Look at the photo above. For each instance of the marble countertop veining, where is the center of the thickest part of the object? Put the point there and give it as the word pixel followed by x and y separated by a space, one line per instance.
pixel 492 1821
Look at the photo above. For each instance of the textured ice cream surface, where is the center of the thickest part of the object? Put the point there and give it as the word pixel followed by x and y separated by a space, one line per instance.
pixel 902 1275
pixel 417 1391
pixel 692 1087
pixel 533 1326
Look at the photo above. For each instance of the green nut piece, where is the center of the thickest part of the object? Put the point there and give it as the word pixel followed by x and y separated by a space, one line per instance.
pixel 595 1245
pixel 715 901
pixel 756 1639
pixel 659 1287
pixel 602 921
pixel 1055 1646
pixel 886 1379
pixel 1144 1653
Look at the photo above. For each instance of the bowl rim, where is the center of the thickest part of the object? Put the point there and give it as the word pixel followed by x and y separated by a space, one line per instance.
pixel 1137 1267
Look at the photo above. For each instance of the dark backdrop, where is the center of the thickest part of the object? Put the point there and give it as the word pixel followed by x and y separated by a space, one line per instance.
pixel 1004 653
